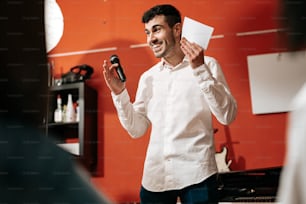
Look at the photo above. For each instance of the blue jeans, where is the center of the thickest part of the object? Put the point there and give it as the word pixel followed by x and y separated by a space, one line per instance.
pixel 202 193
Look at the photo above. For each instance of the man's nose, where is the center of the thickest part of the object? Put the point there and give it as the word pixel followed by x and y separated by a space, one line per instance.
pixel 151 38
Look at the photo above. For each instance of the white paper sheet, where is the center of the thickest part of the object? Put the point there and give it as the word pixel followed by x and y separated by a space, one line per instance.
pixel 197 32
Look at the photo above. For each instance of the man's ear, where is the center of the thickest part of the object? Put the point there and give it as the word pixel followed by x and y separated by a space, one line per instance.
pixel 177 30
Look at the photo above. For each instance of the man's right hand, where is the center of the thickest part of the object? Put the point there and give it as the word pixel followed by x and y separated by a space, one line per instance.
pixel 112 80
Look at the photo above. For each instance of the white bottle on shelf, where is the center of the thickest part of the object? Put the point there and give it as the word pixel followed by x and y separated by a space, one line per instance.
pixel 58 113
pixel 70 111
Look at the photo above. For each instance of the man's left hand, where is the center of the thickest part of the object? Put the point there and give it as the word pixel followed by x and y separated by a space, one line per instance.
pixel 194 52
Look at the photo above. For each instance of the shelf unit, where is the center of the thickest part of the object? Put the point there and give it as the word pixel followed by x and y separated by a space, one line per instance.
pixel 78 138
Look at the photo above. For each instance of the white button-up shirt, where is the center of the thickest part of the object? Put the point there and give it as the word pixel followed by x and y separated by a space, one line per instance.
pixel 293 181
pixel 178 102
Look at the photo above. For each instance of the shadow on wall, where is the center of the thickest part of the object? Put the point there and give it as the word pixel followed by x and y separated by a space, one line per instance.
pixel 134 61
pixel 240 161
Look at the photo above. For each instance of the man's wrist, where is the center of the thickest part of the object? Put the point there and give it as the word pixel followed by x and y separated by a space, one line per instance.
pixel 118 92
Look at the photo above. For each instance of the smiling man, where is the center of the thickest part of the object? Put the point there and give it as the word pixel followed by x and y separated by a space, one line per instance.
pixel 177 97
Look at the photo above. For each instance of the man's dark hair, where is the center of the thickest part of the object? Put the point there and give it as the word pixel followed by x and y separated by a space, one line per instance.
pixel 172 15
pixel 294 20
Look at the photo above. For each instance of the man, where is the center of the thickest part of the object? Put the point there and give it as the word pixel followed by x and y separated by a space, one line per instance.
pixel 293 181
pixel 177 96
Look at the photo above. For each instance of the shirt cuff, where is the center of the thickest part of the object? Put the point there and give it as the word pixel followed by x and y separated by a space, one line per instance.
pixel 202 73
pixel 121 98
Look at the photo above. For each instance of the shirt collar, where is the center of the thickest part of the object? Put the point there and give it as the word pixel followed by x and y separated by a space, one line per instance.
pixel 164 65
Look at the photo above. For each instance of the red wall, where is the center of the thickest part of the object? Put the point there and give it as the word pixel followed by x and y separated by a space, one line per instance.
pixel 254 141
